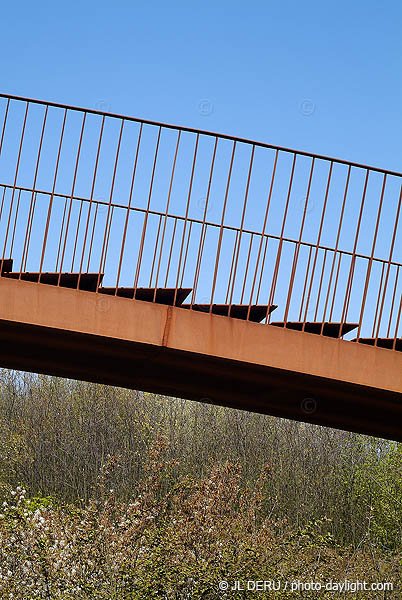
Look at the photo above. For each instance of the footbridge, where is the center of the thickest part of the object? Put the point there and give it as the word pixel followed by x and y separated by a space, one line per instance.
pixel 200 265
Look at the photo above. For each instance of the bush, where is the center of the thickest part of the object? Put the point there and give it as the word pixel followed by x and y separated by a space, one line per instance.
pixel 178 545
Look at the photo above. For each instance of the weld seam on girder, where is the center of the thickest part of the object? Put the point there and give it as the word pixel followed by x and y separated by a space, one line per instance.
pixel 166 329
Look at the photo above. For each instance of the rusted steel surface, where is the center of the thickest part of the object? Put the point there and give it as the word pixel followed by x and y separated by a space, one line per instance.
pixel 200 356
pixel 134 206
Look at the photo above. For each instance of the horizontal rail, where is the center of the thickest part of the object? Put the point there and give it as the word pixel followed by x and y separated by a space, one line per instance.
pixel 201 132
pixel 178 217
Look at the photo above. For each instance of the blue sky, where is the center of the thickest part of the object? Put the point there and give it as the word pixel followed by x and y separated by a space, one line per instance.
pixel 323 77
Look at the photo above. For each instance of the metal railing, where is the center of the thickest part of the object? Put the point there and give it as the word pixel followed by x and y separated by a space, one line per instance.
pixel 145 204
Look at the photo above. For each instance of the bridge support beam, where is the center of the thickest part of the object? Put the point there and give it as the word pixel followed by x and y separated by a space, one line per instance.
pixel 202 357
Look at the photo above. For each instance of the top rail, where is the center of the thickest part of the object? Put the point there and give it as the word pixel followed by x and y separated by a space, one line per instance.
pixel 224 136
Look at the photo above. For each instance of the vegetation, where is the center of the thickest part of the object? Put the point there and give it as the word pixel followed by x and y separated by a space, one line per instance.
pixel 109 493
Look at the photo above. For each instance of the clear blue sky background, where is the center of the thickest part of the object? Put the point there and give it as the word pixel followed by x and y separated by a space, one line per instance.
pixel 256 64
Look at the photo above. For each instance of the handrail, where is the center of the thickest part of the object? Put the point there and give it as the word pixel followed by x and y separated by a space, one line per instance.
pixel 202 132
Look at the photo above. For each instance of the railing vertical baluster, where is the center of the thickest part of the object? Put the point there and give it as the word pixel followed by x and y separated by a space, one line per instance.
pixel 305 287
pixel 241 227
pixel 103 266
pixel 231 267
pixel 218 251
pixel 297 247
pixel 353 259
pixel 128 208
pixel 366 283
pixel 391 251
pixel 14 185
pixel 262 238
pixel 186 216
pixel 170 252
pixel 165 216
pixel 185 254
pixel 32 204
pixel 203 228
pixel 280 244
pixel 320 286
pixel 397 324
pixel 72 196
pixel 391 312
pixel 102 261
pixel 141 249
pixel 61 234
pixel 2 201
pixel 340 223
pixel 73 189
pixel 155 252
pixel 49 214
pixel 318 243
pixel 15 222
pixel 261 275
pixel 340 254
pixel 4 125
pixel 378 301
pixel 246 270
